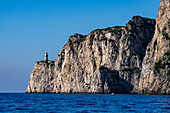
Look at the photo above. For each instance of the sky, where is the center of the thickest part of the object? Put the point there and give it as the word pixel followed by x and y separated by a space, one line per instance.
pixel 29 28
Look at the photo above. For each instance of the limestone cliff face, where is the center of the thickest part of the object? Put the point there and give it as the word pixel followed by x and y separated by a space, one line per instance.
pixel 156 65
pixel 110 60
pixel 107 60
pixel 42 78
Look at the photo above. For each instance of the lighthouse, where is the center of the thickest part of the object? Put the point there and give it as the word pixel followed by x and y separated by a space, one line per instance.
pixel 46 57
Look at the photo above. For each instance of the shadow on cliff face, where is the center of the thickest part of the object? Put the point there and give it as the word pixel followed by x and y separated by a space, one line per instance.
pixel 112 82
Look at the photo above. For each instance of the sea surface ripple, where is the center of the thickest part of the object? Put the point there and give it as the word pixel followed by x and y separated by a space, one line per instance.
pixel 83 103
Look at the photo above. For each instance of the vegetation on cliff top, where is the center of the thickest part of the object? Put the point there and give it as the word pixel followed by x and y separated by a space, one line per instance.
pixel 114 29
pixel 145 18
pixel 76 38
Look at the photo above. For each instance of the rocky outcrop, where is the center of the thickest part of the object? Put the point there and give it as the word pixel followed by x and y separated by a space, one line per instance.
pixel 107 60
pixel 42 77
pixel 156 65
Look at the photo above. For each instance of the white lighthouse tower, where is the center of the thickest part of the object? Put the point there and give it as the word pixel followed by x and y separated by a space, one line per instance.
pixel 46 57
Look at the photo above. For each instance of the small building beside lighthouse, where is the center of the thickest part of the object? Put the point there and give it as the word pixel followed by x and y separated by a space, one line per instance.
pixel 46 57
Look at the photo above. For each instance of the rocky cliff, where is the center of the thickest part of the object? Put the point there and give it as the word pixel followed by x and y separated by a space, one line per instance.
pixel 110 60
pixel 156 65
pixel 42 77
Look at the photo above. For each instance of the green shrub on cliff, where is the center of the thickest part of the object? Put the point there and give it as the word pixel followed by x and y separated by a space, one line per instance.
pixel 163 62
pixel 133 69
pixel 103 38
pixel 165 35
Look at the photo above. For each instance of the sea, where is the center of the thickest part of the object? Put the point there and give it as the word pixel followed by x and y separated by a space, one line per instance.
pixel 83 103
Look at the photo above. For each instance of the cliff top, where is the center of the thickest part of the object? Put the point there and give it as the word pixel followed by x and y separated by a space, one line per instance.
pixel 43 62
pixel 136 21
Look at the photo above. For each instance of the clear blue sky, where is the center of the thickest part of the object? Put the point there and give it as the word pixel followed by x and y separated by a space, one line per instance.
pixel 28 28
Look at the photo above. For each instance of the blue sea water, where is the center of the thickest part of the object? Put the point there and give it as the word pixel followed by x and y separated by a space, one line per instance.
pixel 86 103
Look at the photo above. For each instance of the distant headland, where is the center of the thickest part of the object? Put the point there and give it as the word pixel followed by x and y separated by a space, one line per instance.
pixel 122 59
